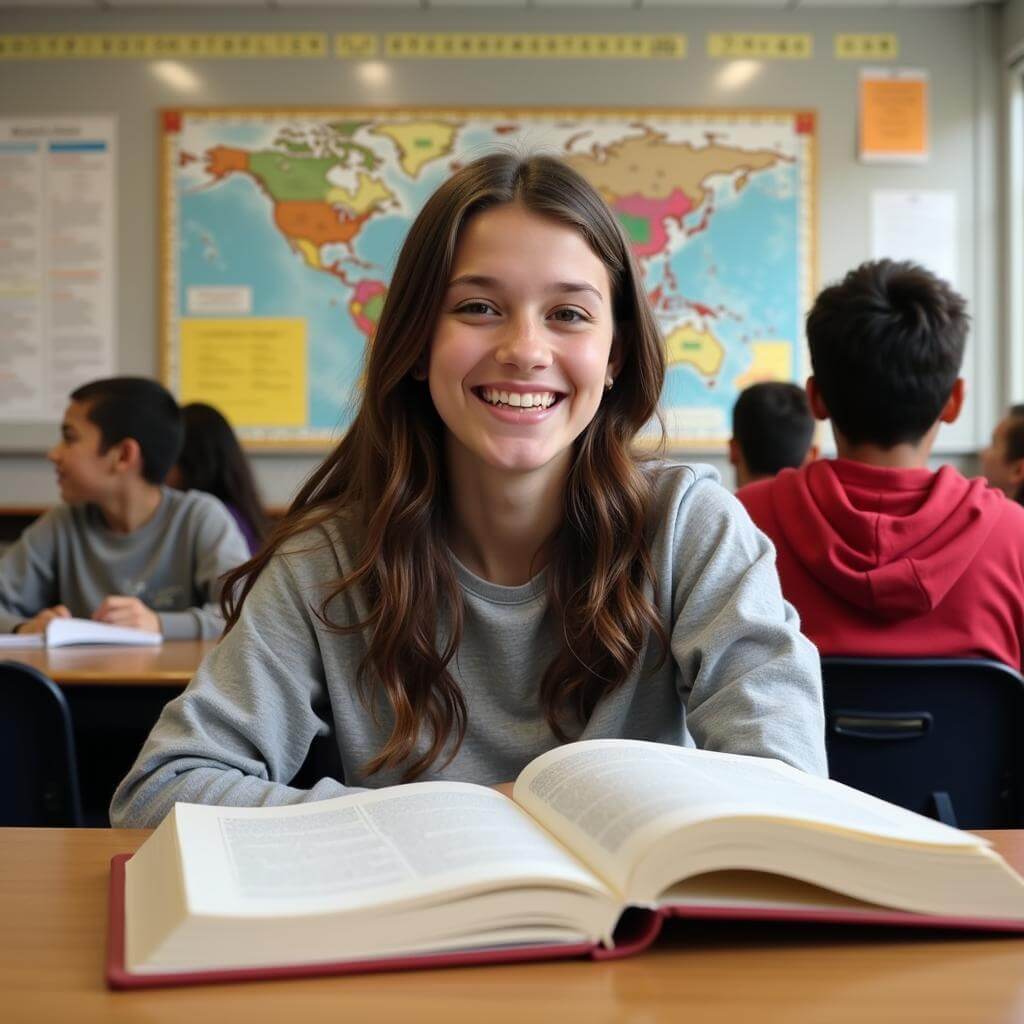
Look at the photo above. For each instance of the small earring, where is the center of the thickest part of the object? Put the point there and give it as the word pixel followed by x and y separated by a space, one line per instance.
pixel 608 382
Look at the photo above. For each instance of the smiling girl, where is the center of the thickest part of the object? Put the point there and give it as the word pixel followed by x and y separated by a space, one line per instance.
pixel 484 568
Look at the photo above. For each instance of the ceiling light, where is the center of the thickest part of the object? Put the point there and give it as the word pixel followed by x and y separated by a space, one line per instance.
pixel 737 73
pixel 177 75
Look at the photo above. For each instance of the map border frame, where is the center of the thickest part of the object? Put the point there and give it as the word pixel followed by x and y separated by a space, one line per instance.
pixel 319 444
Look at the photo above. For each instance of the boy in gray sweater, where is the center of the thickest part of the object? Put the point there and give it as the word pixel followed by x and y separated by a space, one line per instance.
pixel 123 548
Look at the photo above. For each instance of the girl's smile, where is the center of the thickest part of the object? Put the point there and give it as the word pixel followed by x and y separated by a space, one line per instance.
pixel 516 403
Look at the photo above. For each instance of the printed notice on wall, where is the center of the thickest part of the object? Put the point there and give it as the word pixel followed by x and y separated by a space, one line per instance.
pixel 893 115
pixel 56 261
pixel 917 225
pixel 254 369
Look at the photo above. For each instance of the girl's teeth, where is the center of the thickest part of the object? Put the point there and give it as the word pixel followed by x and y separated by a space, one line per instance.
pixel 517 401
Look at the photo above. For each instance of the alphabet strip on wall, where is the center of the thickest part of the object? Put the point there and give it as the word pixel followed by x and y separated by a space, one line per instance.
pixel 436 45
pixel 444 45
pixel 145 45
pixel 761 45
pixel 526 45
pixel 867 45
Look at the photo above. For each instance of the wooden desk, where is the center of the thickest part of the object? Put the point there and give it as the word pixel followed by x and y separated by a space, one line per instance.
pixel 173 663
pixel 53 887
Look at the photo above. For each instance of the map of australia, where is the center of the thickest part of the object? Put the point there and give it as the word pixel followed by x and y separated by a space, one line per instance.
pixel 295 221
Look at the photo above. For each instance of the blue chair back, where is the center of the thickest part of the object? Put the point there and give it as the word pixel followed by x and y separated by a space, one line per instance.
pixel 37 751
pixel 940 736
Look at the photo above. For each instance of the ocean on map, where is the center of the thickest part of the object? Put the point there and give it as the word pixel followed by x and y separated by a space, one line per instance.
pixel 215 252
pixel 742 264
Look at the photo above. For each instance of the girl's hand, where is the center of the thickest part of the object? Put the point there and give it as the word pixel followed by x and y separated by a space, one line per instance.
pixel 127 611
pixel 505 788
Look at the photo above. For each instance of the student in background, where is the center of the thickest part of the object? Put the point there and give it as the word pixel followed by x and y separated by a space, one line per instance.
pixel 484 567
pixel 880 555
pixel 123 548
pixel 1002 462
pixel 212 460
pixel 772 429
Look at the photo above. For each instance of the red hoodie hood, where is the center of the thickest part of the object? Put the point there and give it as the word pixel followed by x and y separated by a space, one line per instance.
pixel 889 540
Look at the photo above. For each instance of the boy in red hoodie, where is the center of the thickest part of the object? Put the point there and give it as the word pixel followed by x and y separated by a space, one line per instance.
pixel 881 556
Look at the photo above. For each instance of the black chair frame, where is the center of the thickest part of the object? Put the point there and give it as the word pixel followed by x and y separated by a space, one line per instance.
pixel 37 751
pixel 940 736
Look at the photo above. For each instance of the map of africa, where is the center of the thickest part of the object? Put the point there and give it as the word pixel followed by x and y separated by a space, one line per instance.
pixel 281 230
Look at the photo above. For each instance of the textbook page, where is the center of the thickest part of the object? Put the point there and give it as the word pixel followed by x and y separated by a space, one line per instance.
pixel 405 844
pixel 611 800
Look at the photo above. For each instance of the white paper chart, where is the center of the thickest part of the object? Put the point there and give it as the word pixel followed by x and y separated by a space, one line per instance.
pixel 57 261
pixel 918 225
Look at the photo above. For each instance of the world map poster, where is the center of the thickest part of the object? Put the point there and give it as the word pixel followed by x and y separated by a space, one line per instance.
pixel 281 228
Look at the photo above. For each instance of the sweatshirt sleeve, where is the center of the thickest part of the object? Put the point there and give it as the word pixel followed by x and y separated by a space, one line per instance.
pixel 751 682
pixel 219 547
pixel 243 727
pixel 28 573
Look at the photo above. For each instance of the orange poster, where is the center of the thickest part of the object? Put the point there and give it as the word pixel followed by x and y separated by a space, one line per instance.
pixel 893 116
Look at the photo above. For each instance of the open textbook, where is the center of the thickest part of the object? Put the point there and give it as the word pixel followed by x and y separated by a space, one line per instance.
pixel 68 632
pixel 439 872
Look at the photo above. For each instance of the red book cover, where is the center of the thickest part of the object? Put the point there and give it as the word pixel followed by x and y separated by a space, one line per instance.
pixel 118 977
pixel 638 929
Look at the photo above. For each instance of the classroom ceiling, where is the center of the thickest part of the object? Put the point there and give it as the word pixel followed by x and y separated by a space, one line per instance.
pixel 787 5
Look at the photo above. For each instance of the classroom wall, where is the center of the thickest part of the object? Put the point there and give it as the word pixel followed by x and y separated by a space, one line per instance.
pixel 1009 57
pixel 1011 33
pixel 957 45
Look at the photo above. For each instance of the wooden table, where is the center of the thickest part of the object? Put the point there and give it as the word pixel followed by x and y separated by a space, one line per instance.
pixel 53 890
pixel 173 663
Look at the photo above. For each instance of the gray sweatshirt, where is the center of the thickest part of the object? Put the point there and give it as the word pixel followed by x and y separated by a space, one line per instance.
pixel 172 563
pixel 740 677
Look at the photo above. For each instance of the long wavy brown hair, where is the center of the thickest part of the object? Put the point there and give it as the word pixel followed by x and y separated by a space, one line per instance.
pixel 387 476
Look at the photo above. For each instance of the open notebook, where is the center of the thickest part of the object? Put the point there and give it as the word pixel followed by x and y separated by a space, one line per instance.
pixel 602 841
pixel 68 632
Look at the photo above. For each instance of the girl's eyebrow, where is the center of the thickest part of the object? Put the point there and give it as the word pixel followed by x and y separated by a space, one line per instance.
pixel 482 281
pixel 476 280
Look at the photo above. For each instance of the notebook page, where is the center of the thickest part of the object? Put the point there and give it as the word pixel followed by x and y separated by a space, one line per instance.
pixel 68 632
pixel 16 640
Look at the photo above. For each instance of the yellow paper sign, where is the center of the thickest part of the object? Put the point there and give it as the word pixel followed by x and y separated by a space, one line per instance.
pixel 867 45
pixel 761 45
pixel 148 45
pixel 534 45
pixel 893 116
pixel 253 369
